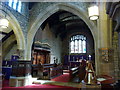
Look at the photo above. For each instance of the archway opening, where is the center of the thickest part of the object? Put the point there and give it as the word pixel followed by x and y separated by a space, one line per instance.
pixel 56 31
pixel 12 40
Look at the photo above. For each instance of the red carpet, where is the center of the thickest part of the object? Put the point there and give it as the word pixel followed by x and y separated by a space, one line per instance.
pixel 62 78
pixel 5 83
pixel 40 87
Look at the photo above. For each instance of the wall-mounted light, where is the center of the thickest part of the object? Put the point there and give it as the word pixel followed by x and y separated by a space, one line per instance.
pixel 3 20
pixel 93 12
pixel 4 23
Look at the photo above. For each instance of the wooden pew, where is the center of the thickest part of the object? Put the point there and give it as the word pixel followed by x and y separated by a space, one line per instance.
pixel 49 71
pixel 73 72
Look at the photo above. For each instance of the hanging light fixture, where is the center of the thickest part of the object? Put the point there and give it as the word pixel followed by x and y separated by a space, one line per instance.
pixel 93 12
pixel 4 23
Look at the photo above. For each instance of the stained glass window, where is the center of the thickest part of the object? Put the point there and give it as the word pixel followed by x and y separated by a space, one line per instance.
pixel 15 4
pixel 78 44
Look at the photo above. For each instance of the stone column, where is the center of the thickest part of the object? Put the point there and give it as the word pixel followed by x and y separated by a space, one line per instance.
pixel 113 10
pixel 116 60
pixel 119 55
pixel 105 66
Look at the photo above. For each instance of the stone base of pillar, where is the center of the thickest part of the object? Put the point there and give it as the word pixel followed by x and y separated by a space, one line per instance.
pixel 20 81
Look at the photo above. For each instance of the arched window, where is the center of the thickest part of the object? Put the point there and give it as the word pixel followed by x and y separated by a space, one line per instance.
pixel 15 4
pixel 78 44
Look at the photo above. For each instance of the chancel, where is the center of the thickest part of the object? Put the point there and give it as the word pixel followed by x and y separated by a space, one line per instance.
pixel 60 45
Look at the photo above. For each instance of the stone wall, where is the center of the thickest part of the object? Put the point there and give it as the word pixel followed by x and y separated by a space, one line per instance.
pixel 11 52
pixel 40 7
pixel 78 30
pixel 116 53
pixel 119 55
pixel 7 46
pixel 47 36
pixel 22 17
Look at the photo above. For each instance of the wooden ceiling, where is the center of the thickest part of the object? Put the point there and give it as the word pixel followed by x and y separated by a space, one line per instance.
pixel 62 22
pixel 5 33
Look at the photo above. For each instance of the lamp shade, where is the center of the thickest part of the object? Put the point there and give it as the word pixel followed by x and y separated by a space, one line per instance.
pixel 93 12
pixel 4 23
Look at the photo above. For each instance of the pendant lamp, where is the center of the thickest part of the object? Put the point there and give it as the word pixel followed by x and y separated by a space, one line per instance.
pixel 93 12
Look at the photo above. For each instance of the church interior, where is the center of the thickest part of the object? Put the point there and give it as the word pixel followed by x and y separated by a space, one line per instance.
pixel 60 45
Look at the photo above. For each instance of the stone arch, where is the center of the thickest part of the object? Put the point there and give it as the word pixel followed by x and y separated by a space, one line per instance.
pixel 51 10
pixel 14 24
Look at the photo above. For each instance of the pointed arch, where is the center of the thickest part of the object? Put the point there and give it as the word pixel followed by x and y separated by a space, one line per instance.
pixel 51 10
pixel 14 24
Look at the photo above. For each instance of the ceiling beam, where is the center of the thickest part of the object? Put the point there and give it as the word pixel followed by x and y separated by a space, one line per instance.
pixel 61 28
pixel 7 36
pixel 3 33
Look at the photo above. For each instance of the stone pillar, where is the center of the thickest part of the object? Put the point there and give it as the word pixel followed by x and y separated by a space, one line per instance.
pixel 116 17
pixel 116 60
pixel 119 56
pixel 104 28
pixel 113 10
pixel 104 66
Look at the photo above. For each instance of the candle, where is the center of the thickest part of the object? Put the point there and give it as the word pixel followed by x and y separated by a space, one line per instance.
pixel 89 78
pixel 89 57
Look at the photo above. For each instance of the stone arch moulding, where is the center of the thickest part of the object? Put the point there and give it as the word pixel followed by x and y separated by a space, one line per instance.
pixel 14 24
pixel 51 10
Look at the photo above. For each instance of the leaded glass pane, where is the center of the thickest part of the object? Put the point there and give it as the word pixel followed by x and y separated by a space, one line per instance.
pixel 78 44
pixel 15 4
pixel 19 6
pixel 80 49
pixel 84 46
pixel 72 47
pixel 10 3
